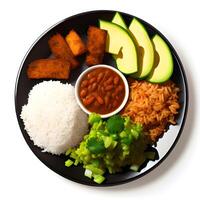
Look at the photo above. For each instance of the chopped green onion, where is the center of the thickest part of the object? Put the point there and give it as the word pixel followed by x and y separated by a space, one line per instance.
pixel 94 169
pixel 107 141
pixel 88 173
pixel 68 163
pixel 135 134
pixel 76 162
pixel 98 179
pixel 134 168
pixel 109 146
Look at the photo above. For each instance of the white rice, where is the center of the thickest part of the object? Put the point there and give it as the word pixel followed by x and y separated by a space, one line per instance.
pixel 52 117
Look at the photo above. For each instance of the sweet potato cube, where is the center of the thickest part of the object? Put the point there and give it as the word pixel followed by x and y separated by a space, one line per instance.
pixel 96 44
pixel 49 69
pixel 60 49
pixel 75 43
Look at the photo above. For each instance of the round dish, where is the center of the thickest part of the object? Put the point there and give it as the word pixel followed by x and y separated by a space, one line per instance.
pixel 77 87
pixel 23 85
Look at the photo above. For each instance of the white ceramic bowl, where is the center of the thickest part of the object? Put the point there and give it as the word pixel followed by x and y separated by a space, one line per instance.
pixel 77 85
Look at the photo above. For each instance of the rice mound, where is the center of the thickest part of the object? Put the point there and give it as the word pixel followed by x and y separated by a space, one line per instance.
pixel 52 117
pixel 155 106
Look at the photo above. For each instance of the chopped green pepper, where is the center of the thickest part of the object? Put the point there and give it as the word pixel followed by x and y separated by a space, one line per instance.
pixel 109 146
pixel 95 145
pixel 93 117
pixel 115 124
pixel 68 163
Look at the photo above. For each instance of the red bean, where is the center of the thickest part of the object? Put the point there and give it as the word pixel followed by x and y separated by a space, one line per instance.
pixel 116 80
pixel 109 87
pixel 94 86
pixel 113 95
pixel 88 100
pixel 107 73
pixel 114 104
pixel 119 89
pixel 99 77
pixel 83 93
pixel 90 88
pixel 99 88
pixel 106 99
pixel 102 90
pixel 92 80
pixel 109 81
pixel 84 83
pixel 109 94
pixel 100 100
pixel 89 75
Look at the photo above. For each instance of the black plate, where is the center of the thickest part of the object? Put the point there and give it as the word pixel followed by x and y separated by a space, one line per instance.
pixel 40 49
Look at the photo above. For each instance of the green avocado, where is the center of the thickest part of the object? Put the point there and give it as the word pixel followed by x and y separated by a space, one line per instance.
pixel 163 65
pixel 120 43
pixel 144 48
pixel 118 19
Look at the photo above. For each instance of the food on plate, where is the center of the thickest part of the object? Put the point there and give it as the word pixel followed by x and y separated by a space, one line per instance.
pixel 155 106
pixel 75 43
pixel 134 53
pixel 55 122
pixel 96 44
pixel 163 65
pixel 118 19
pixel 120 43
pixel 52 118
pixel 114 32
pixel 60 49
pixel 101 90
pixel 49 68
pixel 144 48
pixel 109 146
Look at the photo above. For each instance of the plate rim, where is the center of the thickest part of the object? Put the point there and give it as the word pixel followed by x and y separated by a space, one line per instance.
pixel 185 85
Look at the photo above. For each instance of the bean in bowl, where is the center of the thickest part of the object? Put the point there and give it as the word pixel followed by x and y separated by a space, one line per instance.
pixel 101 90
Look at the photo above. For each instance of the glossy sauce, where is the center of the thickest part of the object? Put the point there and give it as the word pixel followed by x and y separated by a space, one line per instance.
pixel 102 90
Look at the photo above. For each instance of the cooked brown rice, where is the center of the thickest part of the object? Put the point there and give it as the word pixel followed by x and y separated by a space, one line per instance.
pixel 153 105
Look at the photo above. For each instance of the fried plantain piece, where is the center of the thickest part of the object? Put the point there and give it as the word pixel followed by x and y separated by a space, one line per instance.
pixel 75 43
pixel 96 45
pixel 60 49
pixel 49 68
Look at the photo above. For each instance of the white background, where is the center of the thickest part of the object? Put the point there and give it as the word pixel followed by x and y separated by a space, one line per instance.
pixel 22 175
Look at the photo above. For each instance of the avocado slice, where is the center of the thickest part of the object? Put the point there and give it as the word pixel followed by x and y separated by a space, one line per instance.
pixel 163 65
pixel 118 19
pixel 144 48
pixel 113 33
pixel 119 42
